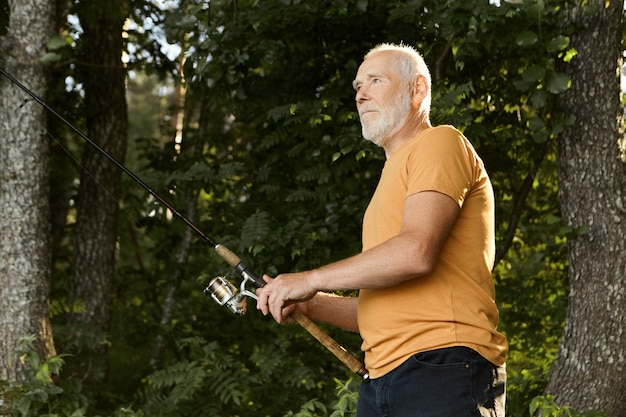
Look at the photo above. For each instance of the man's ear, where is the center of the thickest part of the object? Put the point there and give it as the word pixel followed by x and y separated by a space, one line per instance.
pixel 419 88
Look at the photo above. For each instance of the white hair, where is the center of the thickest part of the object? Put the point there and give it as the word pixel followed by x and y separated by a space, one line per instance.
pixel 408 64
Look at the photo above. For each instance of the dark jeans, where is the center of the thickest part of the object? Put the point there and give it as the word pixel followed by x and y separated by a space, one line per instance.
pixel 449 382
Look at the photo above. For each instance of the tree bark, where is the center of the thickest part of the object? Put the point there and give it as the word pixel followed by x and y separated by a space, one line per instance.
pixel 95 234
pixel 24 167
pixel 589 372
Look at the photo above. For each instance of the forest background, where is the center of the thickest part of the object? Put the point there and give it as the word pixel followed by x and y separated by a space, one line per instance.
pixel 241 113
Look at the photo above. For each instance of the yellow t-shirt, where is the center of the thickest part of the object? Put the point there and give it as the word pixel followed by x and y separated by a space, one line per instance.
pixel 455 304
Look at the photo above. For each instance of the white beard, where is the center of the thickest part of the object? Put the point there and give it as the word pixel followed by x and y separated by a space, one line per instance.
pixel 389 120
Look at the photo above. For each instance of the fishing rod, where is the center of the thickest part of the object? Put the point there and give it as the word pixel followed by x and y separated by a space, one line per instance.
pixel 220 289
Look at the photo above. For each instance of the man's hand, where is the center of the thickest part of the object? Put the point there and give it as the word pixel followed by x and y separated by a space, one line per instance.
pixel 280 294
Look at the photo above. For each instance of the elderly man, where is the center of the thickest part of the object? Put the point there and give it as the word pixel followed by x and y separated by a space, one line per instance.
pixel 426 306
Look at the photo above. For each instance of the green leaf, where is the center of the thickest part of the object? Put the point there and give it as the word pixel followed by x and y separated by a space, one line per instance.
pixel 526 38
pixel 540 136
pixel 591 9
pixel 58 42
pixel 539 98
pixel 569 54
pixel 49 57
pixel 558 43
pixel 256 227
pixel 534 405
pixel 557 82
pixel 522 85
pixel 535 123
pixel 281 112
pixel 534 73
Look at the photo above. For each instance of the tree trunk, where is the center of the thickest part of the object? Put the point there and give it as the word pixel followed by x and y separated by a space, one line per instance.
pixel 95 233
pixel 589 372
pixel 24 166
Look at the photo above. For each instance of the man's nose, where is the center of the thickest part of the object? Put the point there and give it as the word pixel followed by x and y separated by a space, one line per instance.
pixel 361 95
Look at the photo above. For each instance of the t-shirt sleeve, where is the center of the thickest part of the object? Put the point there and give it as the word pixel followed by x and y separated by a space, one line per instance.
pixel 442 162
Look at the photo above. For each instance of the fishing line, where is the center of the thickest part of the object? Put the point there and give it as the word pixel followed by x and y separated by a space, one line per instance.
pixel 117 200
pixel 220 289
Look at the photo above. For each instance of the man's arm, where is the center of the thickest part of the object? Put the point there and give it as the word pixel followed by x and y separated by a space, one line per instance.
pixel 428 219
pixel 332 309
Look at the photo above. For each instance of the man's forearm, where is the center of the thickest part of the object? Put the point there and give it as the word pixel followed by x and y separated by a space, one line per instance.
pixel 333 309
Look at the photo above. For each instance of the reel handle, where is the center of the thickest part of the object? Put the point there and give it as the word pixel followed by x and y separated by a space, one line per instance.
pixel 335 348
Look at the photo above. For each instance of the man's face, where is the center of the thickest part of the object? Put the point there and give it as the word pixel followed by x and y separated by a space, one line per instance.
pixel 383 100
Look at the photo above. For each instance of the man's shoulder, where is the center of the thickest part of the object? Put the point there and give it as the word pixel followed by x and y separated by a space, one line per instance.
pixel 438 137
pixel 443 131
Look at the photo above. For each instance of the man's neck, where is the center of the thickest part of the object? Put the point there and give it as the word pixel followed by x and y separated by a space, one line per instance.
pixel 404 135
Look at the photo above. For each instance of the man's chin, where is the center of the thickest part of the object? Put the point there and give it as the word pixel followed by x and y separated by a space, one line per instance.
pixel 378 141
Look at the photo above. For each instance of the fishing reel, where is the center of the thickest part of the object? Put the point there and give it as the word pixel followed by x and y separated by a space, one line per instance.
pixel 225 293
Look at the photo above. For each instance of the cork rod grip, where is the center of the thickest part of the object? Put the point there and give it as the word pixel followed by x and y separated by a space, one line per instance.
pixel 234 261
pixel 227 255
pixel 335 348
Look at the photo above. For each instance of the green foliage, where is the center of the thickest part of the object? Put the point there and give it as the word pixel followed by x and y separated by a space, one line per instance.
pixel 348 395
pixel 546 406
pixel 215 381
pixel 312 408
pixel 533 313
pixel 46 395
pixel 183 382
pixel 41 396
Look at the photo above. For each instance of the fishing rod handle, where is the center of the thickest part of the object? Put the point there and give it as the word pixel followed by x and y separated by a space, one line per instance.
pixel 335 348
pixel 235 261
